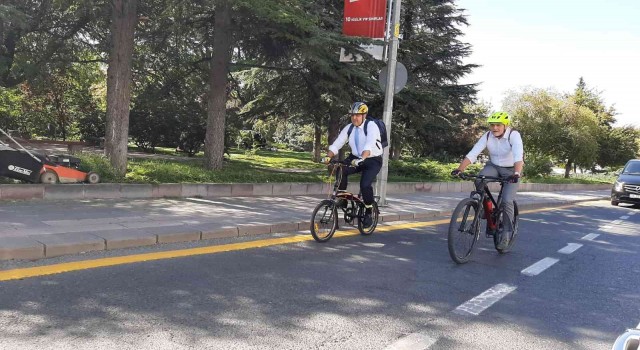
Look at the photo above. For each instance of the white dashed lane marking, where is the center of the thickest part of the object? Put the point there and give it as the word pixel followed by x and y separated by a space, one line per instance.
pixel 492 295
pixel 570 248
pixel 483 301
pixel 540 266
pixel 590 237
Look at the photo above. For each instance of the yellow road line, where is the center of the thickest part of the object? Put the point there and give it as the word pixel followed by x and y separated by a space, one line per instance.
pixel 129 259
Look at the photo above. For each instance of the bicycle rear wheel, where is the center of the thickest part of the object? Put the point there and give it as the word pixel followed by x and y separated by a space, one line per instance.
pixel 374 221
pixel 324 221
pixel 464 230
pixel 514 233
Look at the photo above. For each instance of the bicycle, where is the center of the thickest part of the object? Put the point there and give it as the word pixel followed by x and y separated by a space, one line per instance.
pixel 466 218
pixel 324 220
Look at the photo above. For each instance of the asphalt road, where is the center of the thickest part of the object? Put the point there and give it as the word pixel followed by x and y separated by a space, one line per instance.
pixel 392 290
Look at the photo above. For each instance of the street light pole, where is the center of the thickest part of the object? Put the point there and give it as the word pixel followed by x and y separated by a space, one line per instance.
pixel 381 185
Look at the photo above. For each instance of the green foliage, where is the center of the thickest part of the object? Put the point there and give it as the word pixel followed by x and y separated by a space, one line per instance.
pixel 555 126
pixel 41 37
pixel 91 126
pixel 574 179
pixel 147 130
pixel 426 170
pixel 618 145
pixel 10 111
pixel 536 166
pixel 54 104
pixel 99 164
pixel 592 99
pixel 429 114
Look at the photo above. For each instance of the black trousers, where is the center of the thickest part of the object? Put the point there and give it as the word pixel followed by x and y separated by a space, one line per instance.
pixel 369 168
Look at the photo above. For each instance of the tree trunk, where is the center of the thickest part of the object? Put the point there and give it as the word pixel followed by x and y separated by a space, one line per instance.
pixel 123 25
pixel 217 98
pixel 317 142
pixel 7 55
pixel 396 149
pixel 567 169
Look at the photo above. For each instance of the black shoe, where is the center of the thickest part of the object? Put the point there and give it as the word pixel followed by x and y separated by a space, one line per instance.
pixel 367 221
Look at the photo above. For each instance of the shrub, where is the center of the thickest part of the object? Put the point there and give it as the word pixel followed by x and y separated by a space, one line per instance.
pixel 538 166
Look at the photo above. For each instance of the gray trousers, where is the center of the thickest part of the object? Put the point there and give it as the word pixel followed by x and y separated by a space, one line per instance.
pixel 508 193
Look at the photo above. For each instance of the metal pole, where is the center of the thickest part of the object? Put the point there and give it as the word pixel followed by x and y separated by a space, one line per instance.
pixel 381 185
pixel 387 33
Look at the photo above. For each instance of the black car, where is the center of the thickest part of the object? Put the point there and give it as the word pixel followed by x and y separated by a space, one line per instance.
pixel 626 189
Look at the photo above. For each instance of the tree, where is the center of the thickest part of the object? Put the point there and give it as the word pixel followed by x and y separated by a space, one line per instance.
pixel 592 99
pixel 429 112
pixel 295 76
pixel 124 19
pixel 618 146
pixel 36 35
pixel 554 125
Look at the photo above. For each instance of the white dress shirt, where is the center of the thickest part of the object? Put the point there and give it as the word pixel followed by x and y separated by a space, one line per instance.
pixel 371 142
pixel 504 151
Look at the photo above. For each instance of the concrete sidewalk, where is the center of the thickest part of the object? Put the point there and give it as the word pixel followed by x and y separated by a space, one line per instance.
pixel 39 229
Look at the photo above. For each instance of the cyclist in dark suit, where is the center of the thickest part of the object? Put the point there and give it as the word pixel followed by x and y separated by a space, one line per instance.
pixel 506 159
pixel 365 157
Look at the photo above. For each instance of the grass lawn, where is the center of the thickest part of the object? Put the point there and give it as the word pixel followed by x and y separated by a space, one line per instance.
pixel 280 166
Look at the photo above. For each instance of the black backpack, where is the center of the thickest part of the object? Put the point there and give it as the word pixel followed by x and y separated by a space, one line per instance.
pixel 383 130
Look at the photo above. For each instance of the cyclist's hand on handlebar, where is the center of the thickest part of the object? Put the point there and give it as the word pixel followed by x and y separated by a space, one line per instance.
pixel 356 162
pixel 515 178
pixel 325 160
pixel 456 173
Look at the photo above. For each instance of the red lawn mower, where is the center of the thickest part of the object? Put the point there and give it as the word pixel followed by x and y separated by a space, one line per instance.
pixel 27 166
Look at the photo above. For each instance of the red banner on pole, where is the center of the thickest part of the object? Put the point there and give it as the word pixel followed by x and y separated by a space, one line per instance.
pixel 364 18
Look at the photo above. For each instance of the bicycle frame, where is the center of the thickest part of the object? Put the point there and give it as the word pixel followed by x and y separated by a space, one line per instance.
pixel 484 194
pixel 353 201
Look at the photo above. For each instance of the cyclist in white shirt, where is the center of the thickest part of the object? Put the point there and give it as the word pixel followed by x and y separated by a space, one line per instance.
pixel 506 159
pixel 365 157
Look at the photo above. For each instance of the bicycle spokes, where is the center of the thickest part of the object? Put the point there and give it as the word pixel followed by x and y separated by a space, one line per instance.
pixel 324 221
pixel 466 224
pixel 463 230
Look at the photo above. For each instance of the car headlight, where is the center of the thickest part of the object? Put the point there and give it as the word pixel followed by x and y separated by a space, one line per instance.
pixel 618 186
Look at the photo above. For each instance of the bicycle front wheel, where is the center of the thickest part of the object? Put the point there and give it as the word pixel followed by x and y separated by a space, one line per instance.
pixel 464 230
pixel 375 214
pixel 324 221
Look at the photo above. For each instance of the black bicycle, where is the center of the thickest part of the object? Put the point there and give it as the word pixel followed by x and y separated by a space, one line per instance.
pixel 324 220
pixel 464 228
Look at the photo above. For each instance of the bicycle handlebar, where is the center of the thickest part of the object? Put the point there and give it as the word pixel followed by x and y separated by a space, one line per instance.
pixel 465 176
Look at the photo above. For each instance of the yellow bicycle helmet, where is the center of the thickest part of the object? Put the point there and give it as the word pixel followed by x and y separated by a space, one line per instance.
pixel 358 108
pixel 499 117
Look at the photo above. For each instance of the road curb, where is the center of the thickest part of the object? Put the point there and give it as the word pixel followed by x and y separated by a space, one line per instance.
pixel 148 191
pixel 52 245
